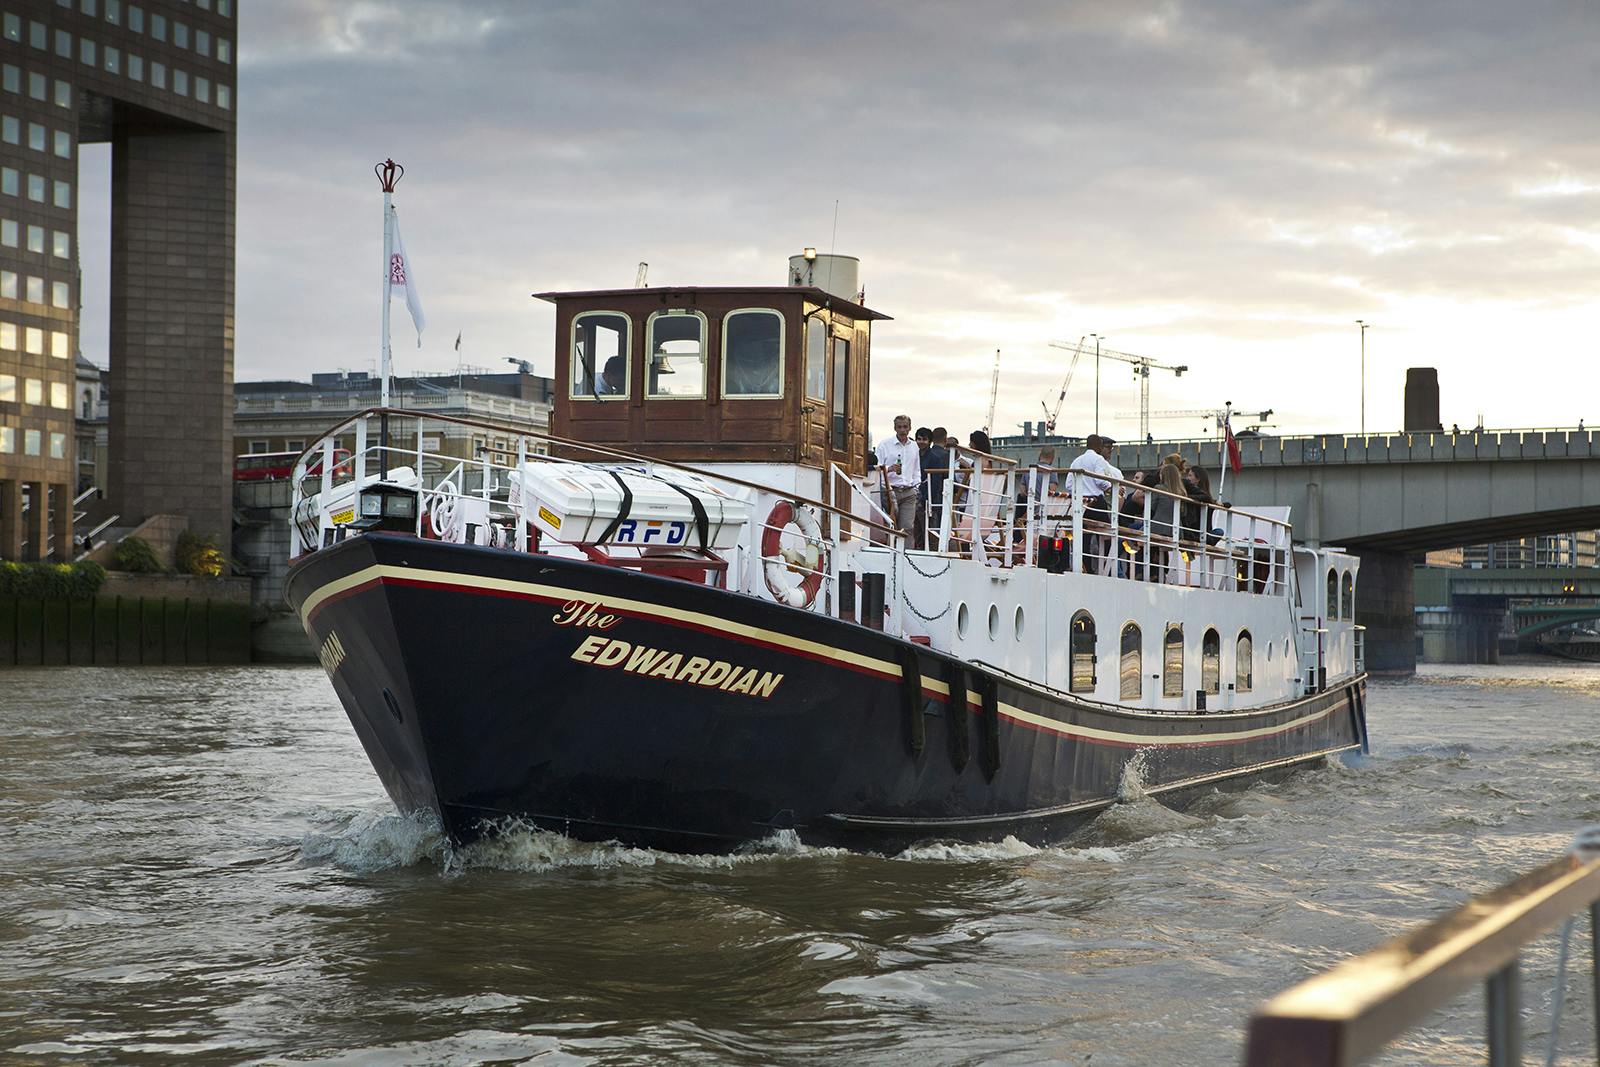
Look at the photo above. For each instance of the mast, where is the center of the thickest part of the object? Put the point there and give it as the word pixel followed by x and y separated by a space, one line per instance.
pixel 389 172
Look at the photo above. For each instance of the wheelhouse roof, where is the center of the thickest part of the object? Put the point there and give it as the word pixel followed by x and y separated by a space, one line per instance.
pixel 810 292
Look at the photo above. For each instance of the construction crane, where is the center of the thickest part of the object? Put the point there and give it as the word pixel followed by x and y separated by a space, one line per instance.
pixel 1142 366
pixel 1052 414
pixel 994 391
pixel 1216 414
pixel 638 279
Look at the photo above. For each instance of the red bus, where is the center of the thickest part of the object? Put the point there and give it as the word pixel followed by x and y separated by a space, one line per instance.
pixel 271 466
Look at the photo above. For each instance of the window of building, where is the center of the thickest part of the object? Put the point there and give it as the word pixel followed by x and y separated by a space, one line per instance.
pixel 13 27
pixel 1081 651
pixel 86 51
pixel 58 344
pixel 675 341
pixel 224 97
pixel 841 381
pixel 36 188
pixel 36 238
pixel 58 446
pixel 202 42
pixel 158 26
pixel 8 341
pixel 135 18
pixel 8 382
pixel 10 78
pixel 63 194
pixel 225 8
pixel 180 81
pixel 601 369
pixel 63 144
pixel 8 285
pixel 258 447
pixel 60 295
pixel 36 86
pixel 224 50
pixel 817 357
pixel 202 90
pixel 63 94
pixel 752 353
pixel 1244 663
pixel 135 67
pixel 8 233
pixel 85 409
pixel 8 437
pixel 11 129
pixel 1211 661
pixel 35 290
pixel 158 75
pixel 36 139
pixel 39 35
pixel 87 6
pixel 33 340
pixel 1130 666
pixel 1333 595
pixel 114 12
pixel 113 60
pixel 61 245
pixel 33 391
pixel 180 34
pixel 63 44
pixel 1172 662
pixel 60 397
pixel 30 442
pixel 1347 601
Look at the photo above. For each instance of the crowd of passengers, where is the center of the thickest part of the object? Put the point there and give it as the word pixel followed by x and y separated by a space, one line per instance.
pixel 911 470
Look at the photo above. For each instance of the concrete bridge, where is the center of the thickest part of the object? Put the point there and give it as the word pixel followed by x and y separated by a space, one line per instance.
pixel 1388 497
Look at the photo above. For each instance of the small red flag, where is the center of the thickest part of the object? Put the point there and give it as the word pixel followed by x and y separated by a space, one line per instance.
pixel 1235 461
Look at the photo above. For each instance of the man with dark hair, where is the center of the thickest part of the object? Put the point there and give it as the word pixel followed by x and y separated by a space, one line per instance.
pixel 612 378
pixel 924 438
pixel 936 468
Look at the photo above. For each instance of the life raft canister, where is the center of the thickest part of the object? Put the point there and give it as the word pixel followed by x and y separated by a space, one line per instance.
pixel 793 576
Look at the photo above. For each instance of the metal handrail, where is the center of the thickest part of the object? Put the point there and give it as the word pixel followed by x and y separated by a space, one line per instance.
pixel 1353 1010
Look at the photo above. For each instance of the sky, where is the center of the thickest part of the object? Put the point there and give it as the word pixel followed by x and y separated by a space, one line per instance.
pixel 1228 186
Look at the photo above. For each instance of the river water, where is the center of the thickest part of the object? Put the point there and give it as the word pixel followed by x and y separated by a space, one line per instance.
pixel 200 867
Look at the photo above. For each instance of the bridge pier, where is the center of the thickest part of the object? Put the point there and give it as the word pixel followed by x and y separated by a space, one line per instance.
pixel 1385 606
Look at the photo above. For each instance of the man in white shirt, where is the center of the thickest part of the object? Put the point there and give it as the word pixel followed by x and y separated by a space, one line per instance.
pixel 900 462
pixel 1097 496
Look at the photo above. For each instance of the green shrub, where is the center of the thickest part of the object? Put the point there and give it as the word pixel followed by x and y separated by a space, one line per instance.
pixel 199 556
pixel 51 581
pixel 135 554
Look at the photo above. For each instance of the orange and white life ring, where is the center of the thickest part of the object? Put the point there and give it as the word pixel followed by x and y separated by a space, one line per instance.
pixel 793 576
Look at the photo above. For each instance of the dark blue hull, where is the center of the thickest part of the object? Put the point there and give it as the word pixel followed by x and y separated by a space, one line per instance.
pixel 606 704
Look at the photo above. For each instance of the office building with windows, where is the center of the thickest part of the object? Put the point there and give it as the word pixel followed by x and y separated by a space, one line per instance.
pixel 156 80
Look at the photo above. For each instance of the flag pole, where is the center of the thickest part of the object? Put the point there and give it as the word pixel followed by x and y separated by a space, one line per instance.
pixel 1227 450
pixel 389 172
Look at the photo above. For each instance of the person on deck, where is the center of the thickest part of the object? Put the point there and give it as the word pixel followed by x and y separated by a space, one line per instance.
pixel 900 464
pixel 612 377
pixel 935 471
pixel 1092 469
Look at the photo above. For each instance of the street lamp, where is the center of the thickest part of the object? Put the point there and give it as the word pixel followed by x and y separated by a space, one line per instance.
pixel 1096 381
pixel 1364 327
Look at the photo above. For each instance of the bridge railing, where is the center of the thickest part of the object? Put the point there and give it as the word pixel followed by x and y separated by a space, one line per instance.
pixel 1413 447
pixel 1352 1011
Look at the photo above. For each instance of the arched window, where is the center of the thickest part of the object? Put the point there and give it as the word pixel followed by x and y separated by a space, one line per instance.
pixel 752 354
pixel 675 347
pixel 1348 600
pixel 1172 662
pixel 1211 662
pixel 1082 676
pixel 1131 664
pixel 1244 663
pixel 1333 594
pixel 601 368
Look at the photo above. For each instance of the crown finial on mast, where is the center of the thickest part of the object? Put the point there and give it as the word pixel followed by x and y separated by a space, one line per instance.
pixel 389 172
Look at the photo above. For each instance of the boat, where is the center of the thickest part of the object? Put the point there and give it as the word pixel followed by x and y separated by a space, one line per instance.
pixel 682 619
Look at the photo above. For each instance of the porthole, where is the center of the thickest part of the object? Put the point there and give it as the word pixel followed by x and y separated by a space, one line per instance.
pixel 1269 651
pixel 961 620
pixel 1017 622
pixel 994 622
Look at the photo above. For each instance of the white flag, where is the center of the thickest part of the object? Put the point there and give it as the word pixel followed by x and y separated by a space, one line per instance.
pixel 401 276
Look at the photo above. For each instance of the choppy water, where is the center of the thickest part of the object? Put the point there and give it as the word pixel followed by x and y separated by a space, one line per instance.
pixel 198 866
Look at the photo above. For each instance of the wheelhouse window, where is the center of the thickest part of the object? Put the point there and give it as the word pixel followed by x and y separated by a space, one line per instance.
pixel 1333 594
pixel 1172 662
pixel 1211 662
pixel 1244 663
pixel 600 364
pixel 1130 666
pixel 817 357
pixel 841 382
pixel 752 354
pixel 676 363
pixel 1347 599
pixel 1082 676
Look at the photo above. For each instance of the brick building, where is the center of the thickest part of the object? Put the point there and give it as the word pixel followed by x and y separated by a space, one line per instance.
pixel 156 80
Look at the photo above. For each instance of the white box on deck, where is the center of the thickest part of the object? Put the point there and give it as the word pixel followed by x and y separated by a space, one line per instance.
pixel 576 503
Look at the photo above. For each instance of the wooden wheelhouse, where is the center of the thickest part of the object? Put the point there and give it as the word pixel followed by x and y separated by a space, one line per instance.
pixel 775 374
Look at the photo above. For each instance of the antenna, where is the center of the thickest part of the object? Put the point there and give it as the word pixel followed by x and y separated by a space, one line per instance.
pixel 638 279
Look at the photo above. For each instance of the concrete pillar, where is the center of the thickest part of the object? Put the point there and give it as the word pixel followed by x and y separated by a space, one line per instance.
pixel 1311 529
pixel 38 521
pixel 61 523
pixel 1385 606
pixel 10 519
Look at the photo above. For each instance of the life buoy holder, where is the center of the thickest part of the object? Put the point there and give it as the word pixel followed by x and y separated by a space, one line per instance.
pixel 442 512
pixel 793 576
